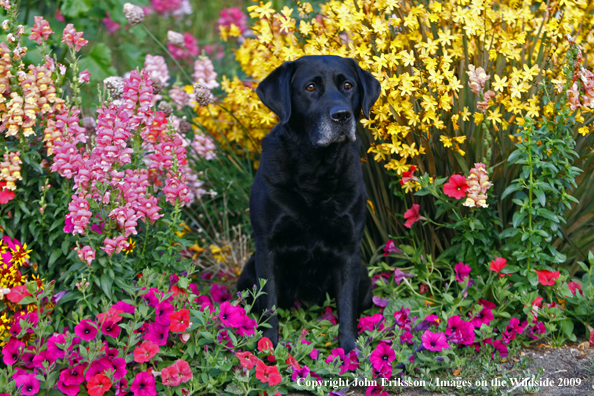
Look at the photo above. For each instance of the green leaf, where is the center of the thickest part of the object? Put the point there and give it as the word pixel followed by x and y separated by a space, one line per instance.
pixel 567 327
pixel 547 214
pixel 98 62
pixel 533 278
pixel 541 196
pixel 510 189
pixel 508 233
pixel 518 218
pixel 75 8
pixel 510 269
pixel 54 256
pixel 106 284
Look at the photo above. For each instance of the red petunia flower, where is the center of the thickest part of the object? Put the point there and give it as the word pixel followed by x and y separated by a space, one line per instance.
pixel 412 215
pixel 247 359
pixel 145 352
pixel 456 187
pixel 498 264
pixel 180 321
pixel 268 374
pixel 98 385
pixel 17 293
pixel 547 278
pixel 265 345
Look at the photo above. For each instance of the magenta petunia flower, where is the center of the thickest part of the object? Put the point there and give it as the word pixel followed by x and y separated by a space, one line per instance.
pixel 143 385
pixel 12 351
pixel 27 383
pixel 462 271
pixel 157 333
pixel 434 341
pixel 162 312
pixel 406 337
pixel 72 376
pixel 247 328
pixel 302 373
pixel 499 347
pixel 125 307
pixel 460 331
pixel 97 367
pixel 382 356
pixel 402 319
pixel 219 293
pixel 119 365
pixel 369 323
pixel 43 358
pixel 68 390
pixel 329 316
pixel 111 328
pixel 56 346
pixel 339 352
pixel 391 248
pixel 86 329
pixel 231 315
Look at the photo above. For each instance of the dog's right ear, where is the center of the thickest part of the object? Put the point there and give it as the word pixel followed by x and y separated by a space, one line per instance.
pixel 275 91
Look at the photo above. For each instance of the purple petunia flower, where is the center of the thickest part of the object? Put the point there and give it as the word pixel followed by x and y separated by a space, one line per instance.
pixel 460 331
pixel 380 302
pixel 302 373
pixel 399 275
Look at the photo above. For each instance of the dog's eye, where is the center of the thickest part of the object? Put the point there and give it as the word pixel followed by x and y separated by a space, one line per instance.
pixel 311 88
pixel 348 85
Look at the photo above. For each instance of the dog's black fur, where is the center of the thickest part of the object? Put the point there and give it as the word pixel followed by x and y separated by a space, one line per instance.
pixel 307 203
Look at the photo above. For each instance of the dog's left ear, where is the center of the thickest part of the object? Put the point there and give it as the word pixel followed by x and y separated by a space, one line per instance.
pixel 371 88
pixel 275 91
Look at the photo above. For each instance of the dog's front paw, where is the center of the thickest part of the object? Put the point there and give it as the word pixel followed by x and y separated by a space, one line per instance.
pixel 271 334
pixel 348 344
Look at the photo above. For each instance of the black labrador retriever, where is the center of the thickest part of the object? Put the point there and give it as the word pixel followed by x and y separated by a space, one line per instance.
pixel 307 203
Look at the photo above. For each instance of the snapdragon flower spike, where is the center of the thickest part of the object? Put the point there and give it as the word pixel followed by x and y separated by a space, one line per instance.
pixel 41 30
pixel 72 38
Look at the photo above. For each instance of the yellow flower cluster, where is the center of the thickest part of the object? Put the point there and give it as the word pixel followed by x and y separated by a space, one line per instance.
pixel 423 56
pixel 10 276
pixel 10 170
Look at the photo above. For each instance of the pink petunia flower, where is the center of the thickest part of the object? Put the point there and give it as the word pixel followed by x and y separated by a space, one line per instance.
pixel 498 264
pixel 391 248
pixel 27 383
pixel 162 313
pixel 12 351
pixel 399 275
pixel 370 323
pixel 573 286
pixel 180 321
pixel 547 278
pixel 145 352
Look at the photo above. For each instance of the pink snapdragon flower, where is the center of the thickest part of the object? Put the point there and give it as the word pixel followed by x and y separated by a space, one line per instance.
pixel 478 184
pixel 87 254
pixel 477 77
pixel 157 68
pixel 84 76
pixel 41 30
pixel 72 38
pixel 204 73
pixel 189 50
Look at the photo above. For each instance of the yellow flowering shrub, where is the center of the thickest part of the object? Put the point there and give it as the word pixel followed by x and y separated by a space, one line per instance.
pixel 424 56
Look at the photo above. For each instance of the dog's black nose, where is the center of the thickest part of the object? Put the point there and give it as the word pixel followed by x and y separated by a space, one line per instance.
pixel 340 114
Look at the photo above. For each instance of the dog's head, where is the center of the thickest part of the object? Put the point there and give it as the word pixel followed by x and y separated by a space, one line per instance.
pixel 321 94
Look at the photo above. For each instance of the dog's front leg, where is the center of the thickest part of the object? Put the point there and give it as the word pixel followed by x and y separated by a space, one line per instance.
pixel 346 281
pixel 265 269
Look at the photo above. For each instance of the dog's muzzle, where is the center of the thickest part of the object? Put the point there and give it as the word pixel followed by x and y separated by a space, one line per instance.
pixel 338 127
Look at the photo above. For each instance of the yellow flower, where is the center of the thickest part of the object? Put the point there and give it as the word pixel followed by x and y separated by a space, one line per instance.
pixel 499 83
pixel 583 130
pixel 130 248
pixel 447 142
pixel 494 116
